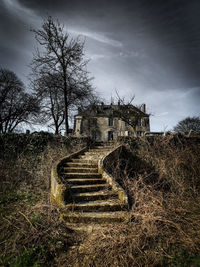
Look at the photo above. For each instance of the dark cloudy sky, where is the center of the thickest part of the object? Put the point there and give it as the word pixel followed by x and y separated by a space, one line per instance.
pixel 149 48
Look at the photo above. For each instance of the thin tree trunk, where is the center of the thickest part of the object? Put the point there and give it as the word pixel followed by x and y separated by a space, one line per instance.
pixel 66 102
pixel 56 129
pixel 66 120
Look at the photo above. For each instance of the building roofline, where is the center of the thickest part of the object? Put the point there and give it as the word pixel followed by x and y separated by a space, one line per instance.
pixel 81 113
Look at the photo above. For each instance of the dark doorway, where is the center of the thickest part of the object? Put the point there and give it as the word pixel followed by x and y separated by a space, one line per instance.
pixel 94 135
pixel 110 135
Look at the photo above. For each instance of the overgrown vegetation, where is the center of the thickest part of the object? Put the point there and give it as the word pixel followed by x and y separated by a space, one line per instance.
pixel 31 233
pixel 161 177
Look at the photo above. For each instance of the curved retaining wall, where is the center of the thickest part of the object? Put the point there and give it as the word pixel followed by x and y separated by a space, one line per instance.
pixel 108 177
pixel 58 189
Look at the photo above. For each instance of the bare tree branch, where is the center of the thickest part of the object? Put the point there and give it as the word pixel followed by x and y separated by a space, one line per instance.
pixel 62 56
pixel 16 106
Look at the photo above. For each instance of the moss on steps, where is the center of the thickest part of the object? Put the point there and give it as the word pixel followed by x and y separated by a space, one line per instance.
pixel 88 192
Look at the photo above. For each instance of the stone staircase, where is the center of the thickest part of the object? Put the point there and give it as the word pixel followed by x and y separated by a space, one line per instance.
pixel 90 198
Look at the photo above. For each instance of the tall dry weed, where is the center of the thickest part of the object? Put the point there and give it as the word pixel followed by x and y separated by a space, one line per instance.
pixel 161 179
pixel 31 233
pixel 176 162
pixel 160 230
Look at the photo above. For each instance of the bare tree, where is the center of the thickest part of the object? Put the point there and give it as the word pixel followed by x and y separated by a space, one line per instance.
pixel 189 123
pixel 48 90
pixel 129 113
pixel 16 106
pixel 63 56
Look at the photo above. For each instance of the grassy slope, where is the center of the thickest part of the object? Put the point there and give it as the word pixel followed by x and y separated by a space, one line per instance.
pixel 162 179
pixel 31 233
pixel 162 182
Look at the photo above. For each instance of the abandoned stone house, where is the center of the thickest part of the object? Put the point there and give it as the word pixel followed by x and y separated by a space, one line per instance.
pixel 107 122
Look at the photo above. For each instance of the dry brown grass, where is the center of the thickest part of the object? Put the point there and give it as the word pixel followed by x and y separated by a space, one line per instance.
pixel 176 161
pixel 162 183
pixel 31 232
pixel 163 232
pixel 161 179
pixel 33 235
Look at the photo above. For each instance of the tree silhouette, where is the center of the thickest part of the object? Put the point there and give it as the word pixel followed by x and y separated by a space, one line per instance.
pixel 189 123
pixel 16 106
pixel 50 95
pixel 63 56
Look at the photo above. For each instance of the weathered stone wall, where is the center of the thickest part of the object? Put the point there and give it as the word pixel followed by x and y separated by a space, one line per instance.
pixel 58 188
pixel 105 166
pixel 119 128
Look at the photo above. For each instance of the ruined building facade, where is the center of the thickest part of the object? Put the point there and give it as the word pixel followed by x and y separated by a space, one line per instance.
pixel 107 122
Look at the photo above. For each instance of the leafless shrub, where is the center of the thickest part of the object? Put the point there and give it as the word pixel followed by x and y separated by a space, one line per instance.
pixel 162 227
pixel 37 227
pixel 176 162
pixel 162 184
pixel 26 161
pixel 161 181
pixel 30 227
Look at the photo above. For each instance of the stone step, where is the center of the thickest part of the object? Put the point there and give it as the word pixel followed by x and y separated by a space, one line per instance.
pixel 105 145
pixel 91 199
pixel 94 158
pixel 96 206
pixel 80 170
pixel 95 153
pixel 91 196
pixel 80 160
pixel 96 150
pixel 88 188
pixel 100 153
pixel 78 175
pixel 81 165
pixel 88 181
pixel 96 217
pixel 101 143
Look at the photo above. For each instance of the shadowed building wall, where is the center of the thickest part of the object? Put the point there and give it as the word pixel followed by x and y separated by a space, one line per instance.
pixel 106 122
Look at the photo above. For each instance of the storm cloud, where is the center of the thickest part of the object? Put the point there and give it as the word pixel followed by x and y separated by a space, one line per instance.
pixel 147 48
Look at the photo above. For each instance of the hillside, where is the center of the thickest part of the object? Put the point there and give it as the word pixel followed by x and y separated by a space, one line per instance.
pixel 161 177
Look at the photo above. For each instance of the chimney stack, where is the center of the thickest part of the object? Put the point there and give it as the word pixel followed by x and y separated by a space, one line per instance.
pixel 143 108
